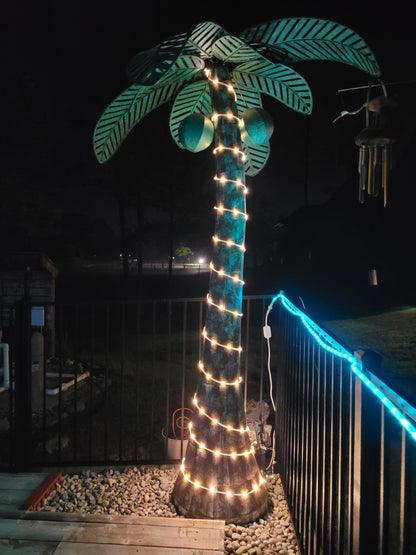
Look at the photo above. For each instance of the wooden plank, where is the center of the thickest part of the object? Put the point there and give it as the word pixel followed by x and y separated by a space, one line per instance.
pixel 114 533
pixel 30 547
pixel 65 548
pixel 14 497
pixel 174 522
pixel 22 481
pixel 42 532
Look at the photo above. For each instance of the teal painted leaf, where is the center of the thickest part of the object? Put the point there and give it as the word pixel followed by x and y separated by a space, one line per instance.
pixel 233 49
pixel 257 156
pixel 133 104
pixel 124 113
pixel 184 69
pixel 194 98
pixel 270 53
pixel 149 67
pixel 279 81
pixel 314 39
pixel 247 98
pixel 201 39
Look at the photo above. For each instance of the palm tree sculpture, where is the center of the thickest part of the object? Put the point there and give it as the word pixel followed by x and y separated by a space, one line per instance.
pixel 218 79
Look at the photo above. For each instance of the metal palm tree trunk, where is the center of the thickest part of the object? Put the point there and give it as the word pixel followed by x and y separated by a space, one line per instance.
pixel 220 477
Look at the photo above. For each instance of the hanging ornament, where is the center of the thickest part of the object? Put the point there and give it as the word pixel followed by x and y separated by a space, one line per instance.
pixel 375 143
pixel 196 132
pixel 258 126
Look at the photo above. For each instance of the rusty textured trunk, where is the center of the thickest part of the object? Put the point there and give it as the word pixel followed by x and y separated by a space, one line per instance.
pixel 228 485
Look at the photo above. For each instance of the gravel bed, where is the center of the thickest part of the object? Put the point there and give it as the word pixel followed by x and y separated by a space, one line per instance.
pixel 146 491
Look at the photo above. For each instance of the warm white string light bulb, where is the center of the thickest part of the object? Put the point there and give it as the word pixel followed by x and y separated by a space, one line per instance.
pixel 216 82
pixel 228 242
pixel 222 308
pixel 235 150
pixel 221 273
pixel 221 382
pixel 234 211
pixel 215 421
pixel 219 453
pixel 227 346
pixel 230 116
pixel 223 180
pixel 213 489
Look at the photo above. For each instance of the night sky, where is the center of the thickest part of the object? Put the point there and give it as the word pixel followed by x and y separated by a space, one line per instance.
pixel 65 62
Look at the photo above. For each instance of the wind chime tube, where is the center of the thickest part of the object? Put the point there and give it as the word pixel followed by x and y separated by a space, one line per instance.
pixel 370 169
pixel 386 163
pixel 377 170
pixel 363 171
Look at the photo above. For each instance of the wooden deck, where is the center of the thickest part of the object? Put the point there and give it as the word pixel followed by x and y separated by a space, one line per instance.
pixel 40 532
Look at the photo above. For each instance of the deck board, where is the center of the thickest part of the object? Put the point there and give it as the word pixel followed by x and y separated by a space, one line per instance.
pixel 87 534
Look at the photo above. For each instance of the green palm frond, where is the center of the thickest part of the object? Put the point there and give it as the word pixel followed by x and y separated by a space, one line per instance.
pixel 314 39
pixel 257 156
pixel 186 68
pixel 134 103
pixel 279 81
pixel 124 113
pixel 149 67
pixel 201 39
pixel 247 97
pixel 232 49
pixel 192 99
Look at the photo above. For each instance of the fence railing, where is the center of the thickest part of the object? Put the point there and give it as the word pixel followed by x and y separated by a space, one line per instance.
pixel 97 383
pixel 345 443
pixel 106 378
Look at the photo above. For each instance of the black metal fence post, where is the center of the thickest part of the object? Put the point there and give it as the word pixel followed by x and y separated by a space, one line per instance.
pixel 23 388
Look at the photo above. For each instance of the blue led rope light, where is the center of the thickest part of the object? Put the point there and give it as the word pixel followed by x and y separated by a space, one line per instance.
pixel 393 402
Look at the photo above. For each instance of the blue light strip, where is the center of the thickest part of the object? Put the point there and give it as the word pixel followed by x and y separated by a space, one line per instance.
pixel 399 408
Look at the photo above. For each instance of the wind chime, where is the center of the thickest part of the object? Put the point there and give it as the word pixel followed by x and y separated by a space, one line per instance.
pixel 375 143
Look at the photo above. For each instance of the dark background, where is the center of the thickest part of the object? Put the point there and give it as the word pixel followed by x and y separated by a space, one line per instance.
pixel 307 233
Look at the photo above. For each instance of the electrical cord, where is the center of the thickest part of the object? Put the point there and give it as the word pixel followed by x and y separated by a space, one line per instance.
pixel 267 332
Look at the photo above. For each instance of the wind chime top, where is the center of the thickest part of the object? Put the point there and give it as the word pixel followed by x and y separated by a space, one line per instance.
pixel 257 59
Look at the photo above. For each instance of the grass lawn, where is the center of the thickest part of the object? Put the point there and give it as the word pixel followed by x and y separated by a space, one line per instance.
pixel 391 334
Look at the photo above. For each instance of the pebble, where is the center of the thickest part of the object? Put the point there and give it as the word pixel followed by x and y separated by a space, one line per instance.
pixel 146 491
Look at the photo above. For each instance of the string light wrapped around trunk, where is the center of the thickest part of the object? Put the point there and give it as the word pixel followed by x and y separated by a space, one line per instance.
pixel 220 476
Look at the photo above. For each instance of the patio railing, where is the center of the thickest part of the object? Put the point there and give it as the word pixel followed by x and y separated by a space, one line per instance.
pixel 345 442
pixel 97 383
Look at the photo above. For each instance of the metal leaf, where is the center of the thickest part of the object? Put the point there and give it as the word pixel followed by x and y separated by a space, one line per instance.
pixel 149 67
pixel 315 39
pixel 247 98
pixel 184 69
pixel 233 49
pixel 276 80
pixel 124 113
pixel 193 98
pixel 257 156
pixel 201 39
pixel 134 103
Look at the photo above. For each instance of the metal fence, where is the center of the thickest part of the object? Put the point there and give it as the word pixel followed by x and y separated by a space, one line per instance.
pixel 346 445
pixel 105 384
pixel 100 383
